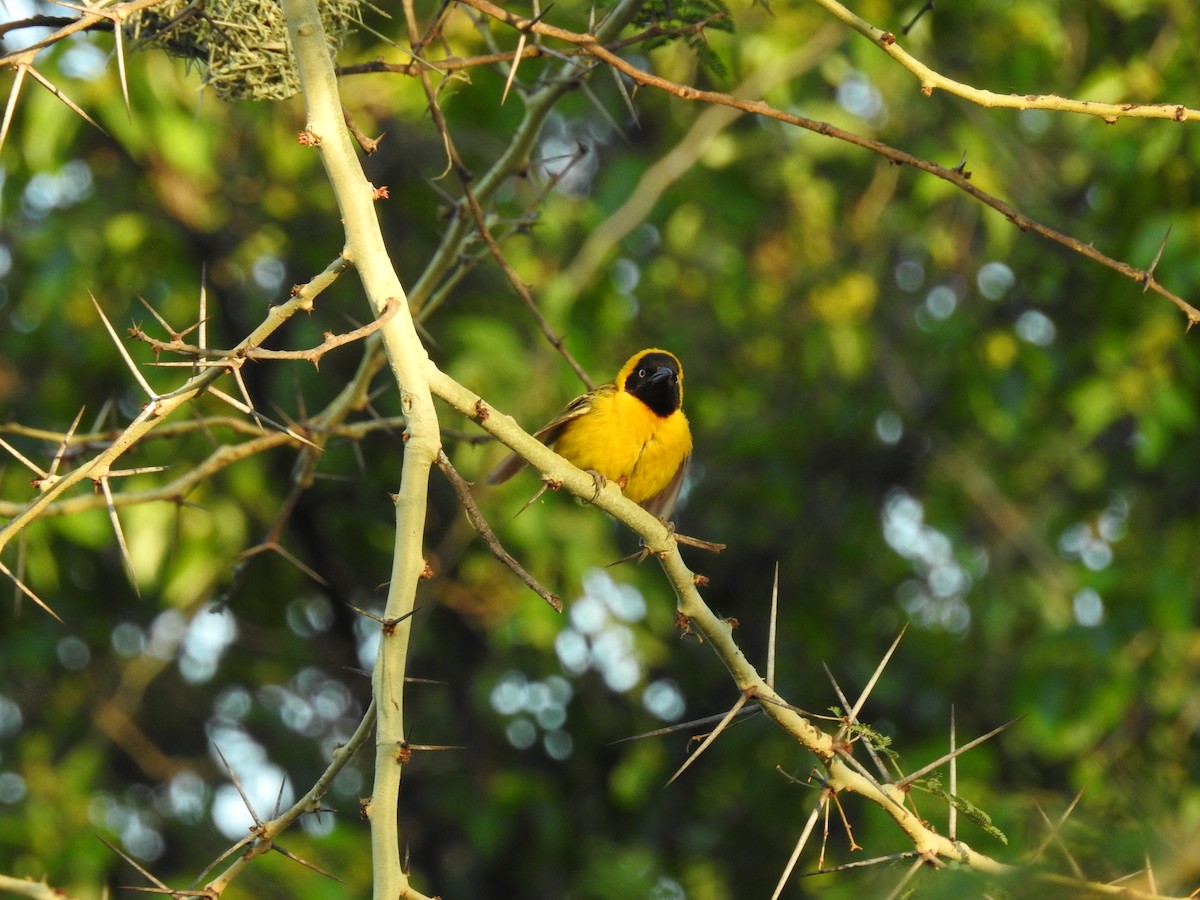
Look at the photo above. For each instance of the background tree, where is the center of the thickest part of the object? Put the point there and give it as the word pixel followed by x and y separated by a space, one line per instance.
pixel 921 413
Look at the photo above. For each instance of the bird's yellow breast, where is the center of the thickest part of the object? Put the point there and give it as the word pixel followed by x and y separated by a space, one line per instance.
pixel 623 440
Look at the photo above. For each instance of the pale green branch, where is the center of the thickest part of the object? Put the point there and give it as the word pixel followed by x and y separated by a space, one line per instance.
pixel 932 80
pixel 407 357
pixel 158 409
pixel 265 834
pixel 36 890
pixel 660 540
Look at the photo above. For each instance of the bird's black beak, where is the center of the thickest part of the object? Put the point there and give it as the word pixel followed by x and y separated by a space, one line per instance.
pixel 663 373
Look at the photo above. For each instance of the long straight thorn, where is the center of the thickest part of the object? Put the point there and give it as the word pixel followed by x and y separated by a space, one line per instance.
pixel 24 589
pixel 71 104
pixel 66 442
pixel 772 628
pixel 124 353
pixel 202 337
pixel 512 72
pixel 712 736
pixel 118 32
pixel 116 524
pixel 11 106
pixel 24 460
pixel 862 699
pixel 958 751
pixel 237 784
pixel 952 824
pixel 804 836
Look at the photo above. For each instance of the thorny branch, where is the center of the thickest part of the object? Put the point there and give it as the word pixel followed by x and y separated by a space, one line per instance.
pixel 208 356
pixel 162 405
pixel 956 176
pixel 932 80
pixel 693 607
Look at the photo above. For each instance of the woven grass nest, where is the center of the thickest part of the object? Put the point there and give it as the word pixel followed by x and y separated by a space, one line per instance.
pixel 241 44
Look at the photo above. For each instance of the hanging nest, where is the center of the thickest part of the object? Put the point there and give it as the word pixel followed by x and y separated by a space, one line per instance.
pixel 242 45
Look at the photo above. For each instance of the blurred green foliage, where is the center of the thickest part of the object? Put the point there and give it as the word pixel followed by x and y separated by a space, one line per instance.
pixel 922 415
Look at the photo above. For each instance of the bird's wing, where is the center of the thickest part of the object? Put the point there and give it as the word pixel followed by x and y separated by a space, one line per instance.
pixel 547 434
pixel 663 503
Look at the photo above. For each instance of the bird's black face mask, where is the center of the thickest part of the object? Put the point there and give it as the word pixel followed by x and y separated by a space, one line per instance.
pixel 655 381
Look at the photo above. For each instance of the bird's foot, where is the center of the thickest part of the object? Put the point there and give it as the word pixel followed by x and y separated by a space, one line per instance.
pixel 599 481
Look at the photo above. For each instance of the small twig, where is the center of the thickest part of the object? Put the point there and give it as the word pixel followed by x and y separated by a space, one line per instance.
pixel 845 824
pixel 280 550
pixel 927 7
pixel 522 289
pixel 369 145
pixel 698 543
pixel 932 80
pixel 463 490
pixel 233 358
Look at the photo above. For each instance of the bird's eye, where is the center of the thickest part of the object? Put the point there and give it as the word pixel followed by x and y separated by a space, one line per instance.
pixel 641 373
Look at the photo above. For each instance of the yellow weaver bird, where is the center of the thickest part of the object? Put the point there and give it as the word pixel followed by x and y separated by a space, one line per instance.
pixel 631 431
